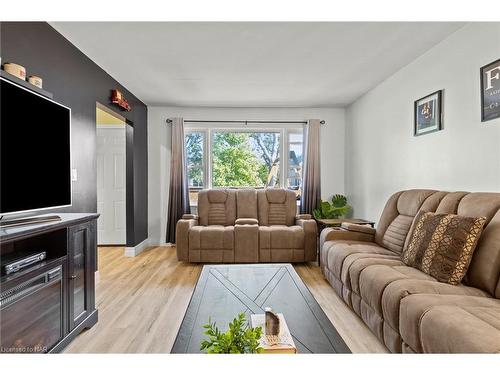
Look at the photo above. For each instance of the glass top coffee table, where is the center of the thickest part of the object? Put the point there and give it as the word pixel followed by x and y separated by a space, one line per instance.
pixel 223 291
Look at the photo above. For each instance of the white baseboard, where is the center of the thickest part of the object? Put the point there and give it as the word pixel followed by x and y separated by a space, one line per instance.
pixel 157 242
pixel 154 242
pixel 97 277
pixel 133 251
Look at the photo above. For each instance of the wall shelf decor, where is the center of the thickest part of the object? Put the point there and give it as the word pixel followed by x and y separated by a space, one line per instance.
pixel 118 99
pixel 23 83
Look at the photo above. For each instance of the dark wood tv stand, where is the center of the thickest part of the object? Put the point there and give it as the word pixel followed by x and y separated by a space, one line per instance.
pixel 7 223
pixel 46 305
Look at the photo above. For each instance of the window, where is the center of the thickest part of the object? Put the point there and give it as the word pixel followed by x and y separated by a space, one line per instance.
pixel 245 159
pixel 195 158
pixel 258 158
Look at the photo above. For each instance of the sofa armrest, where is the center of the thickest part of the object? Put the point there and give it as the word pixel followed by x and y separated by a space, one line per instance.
pixel 303 216
pixel 351 227
pixel 190 216
pixel 246 221
pixel 310 238
pixel 182 237
pixel 336 234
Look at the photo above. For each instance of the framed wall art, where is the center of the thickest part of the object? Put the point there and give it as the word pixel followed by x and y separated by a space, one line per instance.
pixel 428 113
pixel 490 91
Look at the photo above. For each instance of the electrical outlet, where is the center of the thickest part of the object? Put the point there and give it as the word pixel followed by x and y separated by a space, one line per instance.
pixel 74 175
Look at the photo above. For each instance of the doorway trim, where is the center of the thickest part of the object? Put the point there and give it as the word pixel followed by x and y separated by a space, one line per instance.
pixel 130 249
pixel 129 185
pixel 102 107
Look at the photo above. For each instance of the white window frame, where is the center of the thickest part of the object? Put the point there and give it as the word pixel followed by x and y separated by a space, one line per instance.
pixel 287 145
pixel 209 131
pixel 205 155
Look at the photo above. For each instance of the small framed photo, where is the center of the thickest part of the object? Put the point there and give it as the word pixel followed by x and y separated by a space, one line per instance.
pixel 490 91
pixel 428 113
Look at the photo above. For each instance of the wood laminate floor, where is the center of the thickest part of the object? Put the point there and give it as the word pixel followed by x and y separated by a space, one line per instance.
pixel 142 300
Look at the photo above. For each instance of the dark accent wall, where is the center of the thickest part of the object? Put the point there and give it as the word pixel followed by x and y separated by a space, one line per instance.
pixel 77 82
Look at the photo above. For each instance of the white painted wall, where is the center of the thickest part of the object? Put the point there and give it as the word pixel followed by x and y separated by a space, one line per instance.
pixel 332 149
pixel 383 156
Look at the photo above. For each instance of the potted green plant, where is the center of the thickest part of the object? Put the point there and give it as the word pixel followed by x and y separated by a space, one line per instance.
pixel 337 208
pixel 239 339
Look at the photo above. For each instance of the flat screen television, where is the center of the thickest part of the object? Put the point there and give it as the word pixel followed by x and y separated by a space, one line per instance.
pixel 35 151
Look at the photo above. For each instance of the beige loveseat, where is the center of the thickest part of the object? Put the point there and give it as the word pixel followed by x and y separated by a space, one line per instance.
pixel 407 309
pixel 246 226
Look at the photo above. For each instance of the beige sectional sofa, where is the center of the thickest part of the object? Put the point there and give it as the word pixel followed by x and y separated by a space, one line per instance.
pixel 407 309
pixel 246 226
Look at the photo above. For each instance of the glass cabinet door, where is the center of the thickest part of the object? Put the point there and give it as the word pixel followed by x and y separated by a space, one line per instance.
pixel 80 270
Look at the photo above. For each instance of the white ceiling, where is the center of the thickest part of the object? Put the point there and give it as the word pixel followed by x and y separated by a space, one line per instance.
pixel 224 64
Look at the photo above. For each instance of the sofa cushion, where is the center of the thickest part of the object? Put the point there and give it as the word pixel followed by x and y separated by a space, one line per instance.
pixel 449 203
pixel 217 196
pixel 334 253
pixel 276 214
pixel 213 237
pixel 281 237
pixel 217 207
pixel 451 329
pixel 395 235
pixel 399 211
pixel 276 195
pixel 484 270
pixel 355 264
pixel 442 245
pixel 281 243
pixel 246 203
pixel 217 214
pixel 411 201
pixel 343 262
pixel 414 306
pixel 375 279
pixel 383 287
pixel 276 207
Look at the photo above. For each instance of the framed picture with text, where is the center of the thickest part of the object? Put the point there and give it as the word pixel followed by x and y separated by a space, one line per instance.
pixel 490 91
pixel 428 113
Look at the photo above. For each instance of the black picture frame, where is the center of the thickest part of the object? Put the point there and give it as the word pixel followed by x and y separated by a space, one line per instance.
pixel 490 108
pixel 419 128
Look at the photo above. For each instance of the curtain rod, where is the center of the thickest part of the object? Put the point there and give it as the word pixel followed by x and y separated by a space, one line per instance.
pixel 246 122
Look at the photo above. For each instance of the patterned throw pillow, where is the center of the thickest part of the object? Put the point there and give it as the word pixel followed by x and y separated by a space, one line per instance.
pixel 442 245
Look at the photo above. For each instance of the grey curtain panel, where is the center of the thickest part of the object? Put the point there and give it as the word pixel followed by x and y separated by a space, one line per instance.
pixel 178 196
pixel 311 179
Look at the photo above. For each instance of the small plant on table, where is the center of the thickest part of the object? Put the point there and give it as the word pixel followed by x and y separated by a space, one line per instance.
pixel 337 208
pixel 239 339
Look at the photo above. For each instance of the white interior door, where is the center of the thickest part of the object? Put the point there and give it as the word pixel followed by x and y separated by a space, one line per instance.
pixel 111 172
